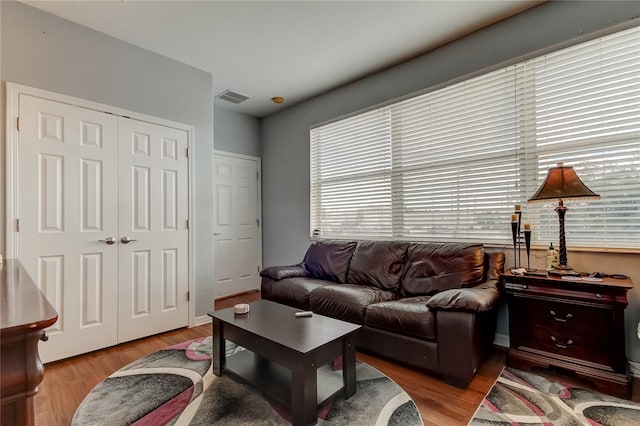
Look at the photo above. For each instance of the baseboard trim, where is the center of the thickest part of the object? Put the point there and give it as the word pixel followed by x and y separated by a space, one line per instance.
pixel 229 296
pixel 501 340
pixel 201 320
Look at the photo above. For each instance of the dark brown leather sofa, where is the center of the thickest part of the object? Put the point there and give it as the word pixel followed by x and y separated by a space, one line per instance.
pixel 429 305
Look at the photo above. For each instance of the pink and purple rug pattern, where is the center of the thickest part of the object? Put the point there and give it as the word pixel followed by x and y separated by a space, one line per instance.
pixel 520 398
pixel 176 386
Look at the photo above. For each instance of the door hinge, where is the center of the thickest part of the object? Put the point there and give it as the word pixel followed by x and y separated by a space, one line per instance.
pixel 187 152
pixel 258 222
pixel 257 175
pixel 18 123
pixel 187 223
pixel 17 225
pixel 188 296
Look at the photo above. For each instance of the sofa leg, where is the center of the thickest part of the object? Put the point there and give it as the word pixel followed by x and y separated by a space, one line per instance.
pixel 457 381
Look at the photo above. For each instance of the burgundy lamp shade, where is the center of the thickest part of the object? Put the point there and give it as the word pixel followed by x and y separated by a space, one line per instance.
pixel 561 183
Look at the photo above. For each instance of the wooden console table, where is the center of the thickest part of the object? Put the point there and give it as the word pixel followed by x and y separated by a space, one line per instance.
pixel 574 325
pixel 24 314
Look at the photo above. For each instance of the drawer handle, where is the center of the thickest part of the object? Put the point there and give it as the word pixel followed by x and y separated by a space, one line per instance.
pixel 560 345
pixel 555 317
pixel 598 295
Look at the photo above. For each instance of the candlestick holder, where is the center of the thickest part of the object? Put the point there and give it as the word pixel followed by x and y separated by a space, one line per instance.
pixel 516 221
pixel 514 233
pixel 527 243
pixel 519 215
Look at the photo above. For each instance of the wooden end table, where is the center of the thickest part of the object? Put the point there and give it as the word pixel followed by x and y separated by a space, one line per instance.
pixel 577 325
pixel 284 354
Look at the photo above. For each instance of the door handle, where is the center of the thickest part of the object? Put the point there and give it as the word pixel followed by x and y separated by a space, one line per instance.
pixel 108 240
pixel 126 240
pixel 215 234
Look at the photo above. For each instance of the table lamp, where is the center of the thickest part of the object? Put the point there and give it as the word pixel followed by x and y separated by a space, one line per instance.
pixel 562 183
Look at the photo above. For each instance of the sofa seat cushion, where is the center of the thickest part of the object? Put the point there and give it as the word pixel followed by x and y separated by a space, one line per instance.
pixel 409 316
pixel 346 301
pixel 295 291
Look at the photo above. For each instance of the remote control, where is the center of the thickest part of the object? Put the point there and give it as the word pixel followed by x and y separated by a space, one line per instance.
pixel 304 314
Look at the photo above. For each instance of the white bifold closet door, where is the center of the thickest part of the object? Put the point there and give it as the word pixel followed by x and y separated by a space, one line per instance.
pixel 103 209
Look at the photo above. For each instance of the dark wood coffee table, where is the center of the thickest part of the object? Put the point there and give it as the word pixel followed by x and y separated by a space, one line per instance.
pixel 284 354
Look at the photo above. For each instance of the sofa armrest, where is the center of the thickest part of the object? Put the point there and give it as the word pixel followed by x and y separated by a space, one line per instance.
pixel 282 272
pixel 481 298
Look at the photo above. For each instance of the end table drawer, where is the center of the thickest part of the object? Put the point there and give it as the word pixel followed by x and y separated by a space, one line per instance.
pixel 569 330
pixel 595 297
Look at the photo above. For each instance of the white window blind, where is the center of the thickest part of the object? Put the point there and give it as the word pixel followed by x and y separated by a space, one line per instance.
pixel 449 165
pixel 351 177
pixel 586 112
pixel 453 147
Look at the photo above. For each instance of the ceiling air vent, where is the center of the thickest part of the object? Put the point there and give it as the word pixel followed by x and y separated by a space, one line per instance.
pixel 231 96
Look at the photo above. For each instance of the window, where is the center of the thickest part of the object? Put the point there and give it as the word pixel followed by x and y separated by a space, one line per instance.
pixel 450 165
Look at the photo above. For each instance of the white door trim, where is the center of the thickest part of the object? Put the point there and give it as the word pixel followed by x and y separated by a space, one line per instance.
pixel 213 179
pixel 13 92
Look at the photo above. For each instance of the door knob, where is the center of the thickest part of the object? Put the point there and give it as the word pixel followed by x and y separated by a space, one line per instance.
pixel 126 240
pixel 108 240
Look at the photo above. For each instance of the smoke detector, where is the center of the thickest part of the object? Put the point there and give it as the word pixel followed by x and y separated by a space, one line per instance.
pixel 233 97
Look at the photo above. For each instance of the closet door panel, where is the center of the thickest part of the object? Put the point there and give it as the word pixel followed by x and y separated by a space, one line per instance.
pixel 68 193
pixel 153 213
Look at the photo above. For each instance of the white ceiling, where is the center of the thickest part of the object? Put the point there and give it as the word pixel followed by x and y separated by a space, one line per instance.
pixel 293 49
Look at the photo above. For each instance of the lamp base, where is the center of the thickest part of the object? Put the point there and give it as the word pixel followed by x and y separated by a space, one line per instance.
pixel 563 270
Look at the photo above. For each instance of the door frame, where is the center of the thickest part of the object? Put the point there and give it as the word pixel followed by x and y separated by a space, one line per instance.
pixel 258 161
pixel 13 92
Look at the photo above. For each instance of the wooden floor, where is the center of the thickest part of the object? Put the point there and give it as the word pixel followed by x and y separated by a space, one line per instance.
pixel 67 382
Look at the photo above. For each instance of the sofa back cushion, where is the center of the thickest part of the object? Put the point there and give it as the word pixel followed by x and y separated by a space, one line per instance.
pixel 378 264
pixel 493 265
pixel 435 267
pixel 329 259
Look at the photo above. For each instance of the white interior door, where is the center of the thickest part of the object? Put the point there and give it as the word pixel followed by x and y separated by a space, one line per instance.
pixel 237 251
pixel 68 201
pixel 102 213
pixel 153 171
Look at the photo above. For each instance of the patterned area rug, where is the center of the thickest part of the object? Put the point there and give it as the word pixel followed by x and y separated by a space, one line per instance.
pixel 176 386
pixel 519 398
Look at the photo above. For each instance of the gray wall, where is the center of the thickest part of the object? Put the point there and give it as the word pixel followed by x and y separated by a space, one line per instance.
pixel 236 132
pixel 41 50
pixel 285 135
